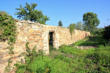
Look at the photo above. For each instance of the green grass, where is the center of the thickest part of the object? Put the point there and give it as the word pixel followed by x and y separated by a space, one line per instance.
pixel 69 59
pixel 91 41
pixel 74 51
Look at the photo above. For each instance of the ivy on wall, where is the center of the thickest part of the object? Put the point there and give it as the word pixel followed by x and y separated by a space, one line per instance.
pixel 71 28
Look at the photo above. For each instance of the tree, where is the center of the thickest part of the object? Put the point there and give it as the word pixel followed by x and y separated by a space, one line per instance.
pixel 79 26
pixel 91 21
pixel 60 23
pixel 30 13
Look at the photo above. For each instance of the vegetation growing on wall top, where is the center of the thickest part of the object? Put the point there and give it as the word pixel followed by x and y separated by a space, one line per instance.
pixel 7 28
pixel 71 28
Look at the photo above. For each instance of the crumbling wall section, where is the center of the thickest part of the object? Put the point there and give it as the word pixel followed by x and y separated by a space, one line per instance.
pixel 38 35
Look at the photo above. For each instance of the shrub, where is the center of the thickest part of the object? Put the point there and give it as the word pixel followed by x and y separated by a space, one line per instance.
pixel 106 33
pixel 44 64
pixel 98 32
pixel 39 64
pixel 7 28
pixel 99 61
pixel 71 28
pixel 20 68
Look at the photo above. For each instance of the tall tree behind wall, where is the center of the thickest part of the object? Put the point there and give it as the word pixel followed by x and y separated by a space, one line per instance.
pixel 60 23
pixel 29 12
pixel 91 21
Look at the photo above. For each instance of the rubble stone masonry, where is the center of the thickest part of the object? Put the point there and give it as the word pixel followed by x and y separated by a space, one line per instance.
pixel 38 35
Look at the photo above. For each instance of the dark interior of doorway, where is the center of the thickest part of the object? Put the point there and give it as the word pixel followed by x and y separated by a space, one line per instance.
pixel 51 40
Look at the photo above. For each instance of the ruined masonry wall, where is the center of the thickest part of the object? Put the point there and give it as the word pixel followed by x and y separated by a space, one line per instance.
pixel 66 38
pixel 38 35
pixel 28 32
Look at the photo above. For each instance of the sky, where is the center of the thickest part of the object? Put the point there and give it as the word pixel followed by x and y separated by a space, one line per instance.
pixel 68 11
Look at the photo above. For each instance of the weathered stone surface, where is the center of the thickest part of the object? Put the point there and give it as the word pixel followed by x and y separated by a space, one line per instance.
pixel 38 34
pixel 3 56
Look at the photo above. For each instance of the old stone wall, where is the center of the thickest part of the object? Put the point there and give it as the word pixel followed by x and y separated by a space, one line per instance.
pixel 67 38
pixel 37 35
pixel 28 32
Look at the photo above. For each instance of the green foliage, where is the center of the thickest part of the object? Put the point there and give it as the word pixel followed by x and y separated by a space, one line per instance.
pixel 70 60
pixel 60 23
pixel 98 32
pixel 44 65
pixel 91 41
pixel 30 54
pixel 79 26
pixel 11 49
pixel 71 28
pixel 74 51
pixel 20 68
pixel 30 13
pixel 8 67
pixel 39 65
pixel 106 33
pixel 87 61
pixel 100 60
pixel 59 66
pixel 7 28
pixel 91 21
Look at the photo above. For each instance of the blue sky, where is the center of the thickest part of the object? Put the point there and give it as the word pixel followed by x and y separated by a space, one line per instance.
pixel 69 11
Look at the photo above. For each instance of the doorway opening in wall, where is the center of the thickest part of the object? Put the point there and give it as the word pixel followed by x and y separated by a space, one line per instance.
pixel 51 40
